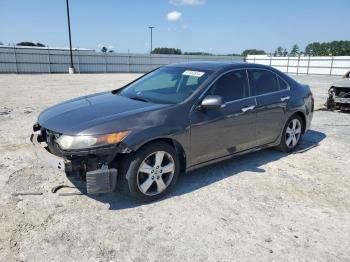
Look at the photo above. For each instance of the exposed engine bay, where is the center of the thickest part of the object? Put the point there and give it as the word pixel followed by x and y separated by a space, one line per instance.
pixel 339 95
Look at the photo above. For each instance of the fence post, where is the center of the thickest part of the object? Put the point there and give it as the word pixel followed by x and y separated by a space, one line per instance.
pixel 308 65
pixel 105 62
pixel 150 62
pixel 48 58
pixel 288 64
pixel 78 57
pixel 330 71
pixel 270 60
pixel 15 55
pixel 298 64
pixel 128 60
pixel 254 59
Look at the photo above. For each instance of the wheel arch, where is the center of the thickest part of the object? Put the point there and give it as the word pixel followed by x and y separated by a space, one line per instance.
pixel 173 143
pixel 303 118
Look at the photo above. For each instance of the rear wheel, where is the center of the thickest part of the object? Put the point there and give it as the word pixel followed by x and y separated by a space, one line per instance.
pixel 151 172
pixel 291 134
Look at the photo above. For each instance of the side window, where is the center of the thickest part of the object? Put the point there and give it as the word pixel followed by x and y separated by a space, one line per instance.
pixel 263 81
pixel 283 85
pixel 231 86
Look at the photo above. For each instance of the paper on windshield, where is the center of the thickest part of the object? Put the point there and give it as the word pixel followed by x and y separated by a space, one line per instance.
pixel 193 73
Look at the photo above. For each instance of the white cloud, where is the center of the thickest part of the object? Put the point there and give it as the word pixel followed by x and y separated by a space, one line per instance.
pixel 174 16
pixel 187 2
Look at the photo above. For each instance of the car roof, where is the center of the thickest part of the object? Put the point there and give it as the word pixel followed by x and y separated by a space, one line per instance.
pixel 216 65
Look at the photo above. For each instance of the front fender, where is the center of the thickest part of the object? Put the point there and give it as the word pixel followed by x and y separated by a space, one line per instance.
pixel 138 138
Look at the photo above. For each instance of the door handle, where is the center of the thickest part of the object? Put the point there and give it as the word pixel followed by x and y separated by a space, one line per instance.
pixel 285 98
pixel 245 109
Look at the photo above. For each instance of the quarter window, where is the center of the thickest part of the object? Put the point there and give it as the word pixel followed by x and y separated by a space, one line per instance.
pixel 263 81
pixel 231 86
pixel 283 85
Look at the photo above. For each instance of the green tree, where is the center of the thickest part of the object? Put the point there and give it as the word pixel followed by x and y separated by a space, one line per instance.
pixel 30 44
pixel 26 44
pixel 104 49
pixel 197 53
pixel 110 51
pixel 278 51
pixel 166 50
pixel 233 54
pixel 339 48
pixel 1 43
pixel 285 52
pixel 295 50
pixel 253 52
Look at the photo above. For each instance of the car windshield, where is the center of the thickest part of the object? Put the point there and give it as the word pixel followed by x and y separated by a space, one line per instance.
pixel 167 85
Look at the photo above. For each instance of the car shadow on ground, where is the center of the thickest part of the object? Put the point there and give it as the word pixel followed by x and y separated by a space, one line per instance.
pixel 203 177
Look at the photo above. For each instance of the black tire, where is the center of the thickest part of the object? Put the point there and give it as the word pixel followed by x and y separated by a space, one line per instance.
pixel 128 177
pixel 283 146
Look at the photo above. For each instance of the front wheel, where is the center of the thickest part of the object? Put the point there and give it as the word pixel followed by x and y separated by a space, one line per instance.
pixel 291 134
pixel 151 172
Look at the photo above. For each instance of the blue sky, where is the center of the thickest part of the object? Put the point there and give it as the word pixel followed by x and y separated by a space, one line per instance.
pixel 217 26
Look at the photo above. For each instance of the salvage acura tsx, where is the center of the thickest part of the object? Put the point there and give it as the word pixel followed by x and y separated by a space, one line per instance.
pixel 171 120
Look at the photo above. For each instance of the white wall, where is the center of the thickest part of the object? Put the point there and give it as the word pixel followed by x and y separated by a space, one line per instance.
pixel 43 60
pixel 314 65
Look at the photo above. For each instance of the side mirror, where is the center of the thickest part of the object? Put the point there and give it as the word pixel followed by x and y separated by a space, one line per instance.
pixel 212 102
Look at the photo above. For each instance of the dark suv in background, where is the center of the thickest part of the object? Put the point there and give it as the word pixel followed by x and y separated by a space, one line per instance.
pixel 171 120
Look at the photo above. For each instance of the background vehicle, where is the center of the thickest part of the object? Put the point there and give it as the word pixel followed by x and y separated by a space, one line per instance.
pixel 174 119
pixel 339 94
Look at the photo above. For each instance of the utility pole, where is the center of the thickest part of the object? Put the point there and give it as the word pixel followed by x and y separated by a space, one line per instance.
pixel 71 68
pixel 151 27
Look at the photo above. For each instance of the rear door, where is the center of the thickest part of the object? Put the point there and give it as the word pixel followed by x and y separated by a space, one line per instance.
pixel 272 94
pixel 218 133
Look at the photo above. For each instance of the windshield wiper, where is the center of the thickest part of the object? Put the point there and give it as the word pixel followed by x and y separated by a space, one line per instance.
pixel 138 99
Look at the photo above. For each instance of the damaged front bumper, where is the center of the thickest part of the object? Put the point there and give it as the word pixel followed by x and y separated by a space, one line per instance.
pixel 99 177
pixel 338 99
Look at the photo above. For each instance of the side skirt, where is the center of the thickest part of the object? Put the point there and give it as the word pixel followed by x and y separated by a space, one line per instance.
pixel 216 160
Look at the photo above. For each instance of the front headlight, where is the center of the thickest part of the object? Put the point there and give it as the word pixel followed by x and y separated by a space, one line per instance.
pixel 80 142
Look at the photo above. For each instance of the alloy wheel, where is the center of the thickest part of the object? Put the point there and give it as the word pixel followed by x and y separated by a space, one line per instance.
pixel 293 133
pixel 155 173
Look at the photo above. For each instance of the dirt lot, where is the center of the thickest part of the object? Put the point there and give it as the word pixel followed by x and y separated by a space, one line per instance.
pixel 265 206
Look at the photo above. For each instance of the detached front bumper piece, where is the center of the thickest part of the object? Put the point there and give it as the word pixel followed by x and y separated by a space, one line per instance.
pixel 102 180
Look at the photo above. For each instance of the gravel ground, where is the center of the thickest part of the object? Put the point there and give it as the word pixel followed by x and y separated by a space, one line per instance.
pixel 264 206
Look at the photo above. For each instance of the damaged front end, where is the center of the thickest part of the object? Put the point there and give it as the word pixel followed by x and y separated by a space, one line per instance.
pixel 96 166
pixel 338 98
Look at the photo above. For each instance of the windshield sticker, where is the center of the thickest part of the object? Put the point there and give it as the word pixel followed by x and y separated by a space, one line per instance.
pixel 193 73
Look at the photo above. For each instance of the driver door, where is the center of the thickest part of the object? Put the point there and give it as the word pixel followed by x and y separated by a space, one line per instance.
pixel 222 132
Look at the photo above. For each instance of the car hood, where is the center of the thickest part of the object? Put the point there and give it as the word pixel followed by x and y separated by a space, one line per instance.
pixel 342 83
pixel 78 115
